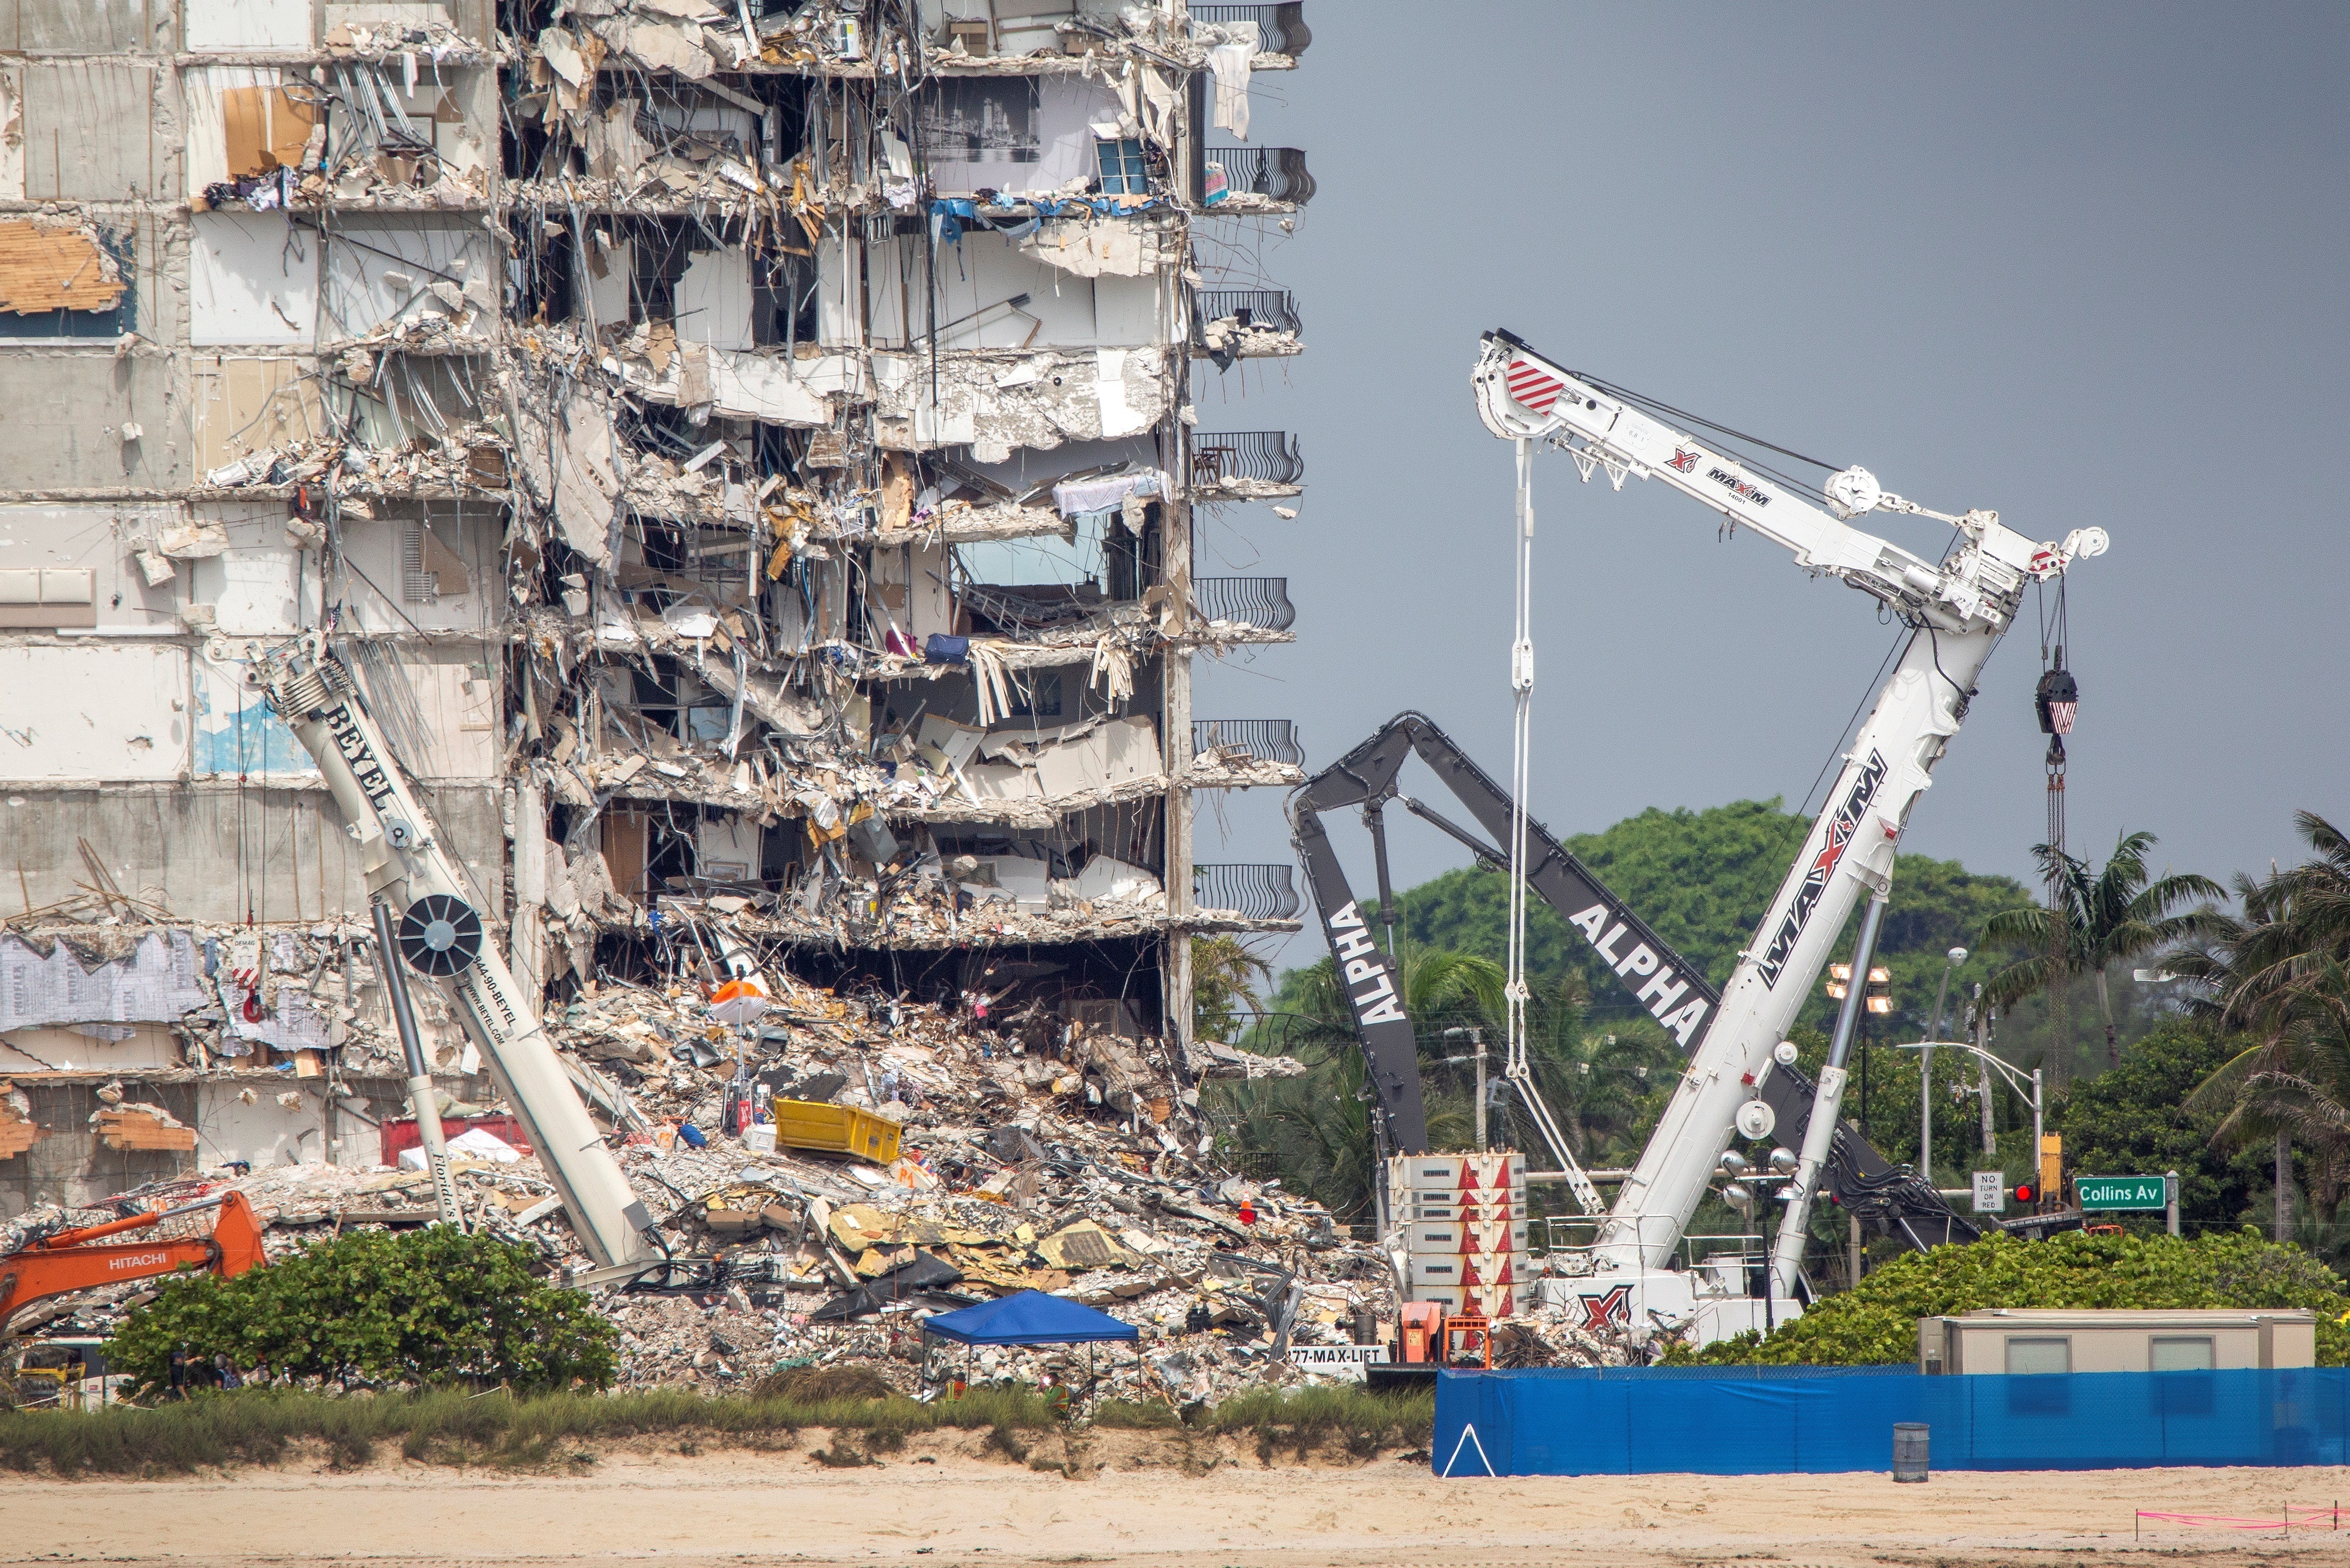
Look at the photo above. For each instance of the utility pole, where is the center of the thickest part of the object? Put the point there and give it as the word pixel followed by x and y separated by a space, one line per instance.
pixel 1954 958
pixel 1982 1070
pixel 1477 1037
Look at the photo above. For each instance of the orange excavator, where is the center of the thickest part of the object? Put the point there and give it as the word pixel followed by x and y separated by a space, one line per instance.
pixel 79 1260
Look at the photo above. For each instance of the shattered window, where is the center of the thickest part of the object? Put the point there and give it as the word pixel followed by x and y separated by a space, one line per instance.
pixel 1122 172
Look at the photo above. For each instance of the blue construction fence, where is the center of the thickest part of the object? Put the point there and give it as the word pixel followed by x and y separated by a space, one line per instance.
pixel 1766 1420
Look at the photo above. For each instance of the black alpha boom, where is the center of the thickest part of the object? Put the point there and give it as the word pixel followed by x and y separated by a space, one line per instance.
pixel 1672 989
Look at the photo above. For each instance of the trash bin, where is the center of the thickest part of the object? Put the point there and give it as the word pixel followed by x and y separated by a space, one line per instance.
pixel 1909 1452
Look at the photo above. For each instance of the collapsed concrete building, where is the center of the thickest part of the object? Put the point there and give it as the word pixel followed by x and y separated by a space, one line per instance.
pixel 748 454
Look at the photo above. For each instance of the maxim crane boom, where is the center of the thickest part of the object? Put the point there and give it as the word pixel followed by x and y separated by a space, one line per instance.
pixel 442 933
pixel 1956 610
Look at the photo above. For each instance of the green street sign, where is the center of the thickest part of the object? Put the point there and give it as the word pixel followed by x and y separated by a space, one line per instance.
pixel 2120 1192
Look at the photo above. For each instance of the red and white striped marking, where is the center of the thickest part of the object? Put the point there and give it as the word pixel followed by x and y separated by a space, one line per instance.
pixel 1534 387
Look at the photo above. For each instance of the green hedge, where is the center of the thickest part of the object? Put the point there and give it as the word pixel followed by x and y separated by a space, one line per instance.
pixel 1877 1324
pixel 413 1307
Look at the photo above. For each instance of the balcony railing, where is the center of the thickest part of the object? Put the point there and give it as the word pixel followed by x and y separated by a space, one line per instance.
pixel 1272 309
pixel 1280 29
pixel 1269 456
pixel 1277 173
pixel 1265 740
pixel 1251 892
pixel 1261 602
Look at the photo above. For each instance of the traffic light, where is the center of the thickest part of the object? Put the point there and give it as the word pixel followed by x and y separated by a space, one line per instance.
pixel 2025 1192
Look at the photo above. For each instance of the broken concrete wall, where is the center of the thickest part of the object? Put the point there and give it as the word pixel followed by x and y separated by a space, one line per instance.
pixel 103 542
pixel 254 279
pixel 246 405
pixel 70 1164
pixel 100 130
pixel 90 26
pixel 227 26
pixel 202 852
pixel 68 411
pixel 979 277
pixel 97 711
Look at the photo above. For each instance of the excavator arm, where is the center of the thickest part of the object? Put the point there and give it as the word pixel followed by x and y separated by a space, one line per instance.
pixel 80 1259
pixel 1674 991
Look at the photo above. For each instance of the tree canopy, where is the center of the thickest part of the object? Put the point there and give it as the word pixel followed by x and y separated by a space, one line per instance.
pixel 1703 879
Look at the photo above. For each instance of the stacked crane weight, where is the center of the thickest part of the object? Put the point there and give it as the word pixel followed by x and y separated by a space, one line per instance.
pixel 1463 1217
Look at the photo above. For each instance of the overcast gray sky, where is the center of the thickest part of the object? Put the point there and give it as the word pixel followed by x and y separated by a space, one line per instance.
pixel 2081 264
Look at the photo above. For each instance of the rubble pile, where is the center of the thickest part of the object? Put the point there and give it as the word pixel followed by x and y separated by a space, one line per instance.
pixel 1034 1154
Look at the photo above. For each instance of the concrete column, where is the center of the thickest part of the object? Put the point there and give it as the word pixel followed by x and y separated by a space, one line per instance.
pixel 1175 707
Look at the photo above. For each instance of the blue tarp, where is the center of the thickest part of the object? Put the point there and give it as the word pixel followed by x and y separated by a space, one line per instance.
pixel 1777 1419
pixel 1032 1317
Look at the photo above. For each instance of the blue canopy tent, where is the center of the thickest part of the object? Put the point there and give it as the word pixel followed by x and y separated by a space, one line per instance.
pixel 1030 1318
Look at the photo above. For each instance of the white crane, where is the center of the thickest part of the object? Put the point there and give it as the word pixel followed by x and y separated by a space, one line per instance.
pixel 414 879
pixel 1956 610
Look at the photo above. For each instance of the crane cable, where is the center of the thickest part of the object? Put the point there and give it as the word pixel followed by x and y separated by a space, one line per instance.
pixel 1522 686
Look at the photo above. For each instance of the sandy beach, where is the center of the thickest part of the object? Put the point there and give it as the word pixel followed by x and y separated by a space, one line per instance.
pixel 1124 1505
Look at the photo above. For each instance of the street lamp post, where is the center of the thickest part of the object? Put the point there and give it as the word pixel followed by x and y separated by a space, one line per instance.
pixel 1477 1040
pixel 2015 1079
pixel 1954 958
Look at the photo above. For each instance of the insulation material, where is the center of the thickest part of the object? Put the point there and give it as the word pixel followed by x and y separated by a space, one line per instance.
pixel 383 274
pixel 46 268
pixel 104 712
pixel 713 299
pixel 98 130
pixel 226 24
pixel 245 406
pixel 235 734
pixel 253 278
pixel 159 981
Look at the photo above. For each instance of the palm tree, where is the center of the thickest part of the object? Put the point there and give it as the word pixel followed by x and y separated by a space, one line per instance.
pixel 2106 920
pixel 1317 1127
pixel 1225 974
pixel 2282 970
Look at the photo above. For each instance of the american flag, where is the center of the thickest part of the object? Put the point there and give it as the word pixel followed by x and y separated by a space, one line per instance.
pixel 1533 386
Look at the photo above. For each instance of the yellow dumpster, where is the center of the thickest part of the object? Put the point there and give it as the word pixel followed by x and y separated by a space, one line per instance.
pixel 835 1129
